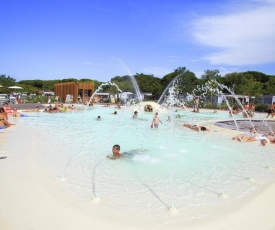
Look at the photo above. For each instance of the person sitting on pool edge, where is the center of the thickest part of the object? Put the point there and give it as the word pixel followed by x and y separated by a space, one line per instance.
pixel 17 114
pixel 116 153
pixel 196 127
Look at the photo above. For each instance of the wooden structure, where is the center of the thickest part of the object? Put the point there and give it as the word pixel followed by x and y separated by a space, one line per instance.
pixel 80 92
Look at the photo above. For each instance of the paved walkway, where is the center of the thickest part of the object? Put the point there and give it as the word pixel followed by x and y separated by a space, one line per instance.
pixel 262 126
pixel 24 106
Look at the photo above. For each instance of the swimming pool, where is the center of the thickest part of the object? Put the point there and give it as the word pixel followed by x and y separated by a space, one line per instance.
pixel 170 166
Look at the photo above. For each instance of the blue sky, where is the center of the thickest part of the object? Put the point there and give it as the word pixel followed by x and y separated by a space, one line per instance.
pixel 99 39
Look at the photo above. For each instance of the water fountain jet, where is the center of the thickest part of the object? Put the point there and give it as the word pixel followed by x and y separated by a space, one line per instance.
pixel 101 88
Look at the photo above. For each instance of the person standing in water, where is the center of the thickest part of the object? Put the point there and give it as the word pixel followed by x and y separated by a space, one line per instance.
pixel 155 122
pixel 271 110
pixel 196 104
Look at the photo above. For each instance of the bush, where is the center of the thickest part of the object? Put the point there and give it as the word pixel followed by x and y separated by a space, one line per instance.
pixel 261 107
pixel 222 107
pixel 106 100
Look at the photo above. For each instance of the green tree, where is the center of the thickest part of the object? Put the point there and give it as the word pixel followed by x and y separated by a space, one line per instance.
pixel 269 86
pixel 187 82
pixel 233 81
pixel 149 84
pixel 258 76
pixel 183 79
pixel 124 83
pixel 210 75
pixel 245 83
pixel 171 76
pixel 6 80
pixel 69 80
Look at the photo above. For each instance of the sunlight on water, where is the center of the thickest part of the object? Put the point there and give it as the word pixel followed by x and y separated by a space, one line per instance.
pixel 169 165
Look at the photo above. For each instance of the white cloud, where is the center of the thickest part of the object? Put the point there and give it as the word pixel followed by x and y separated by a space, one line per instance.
pixel 239 38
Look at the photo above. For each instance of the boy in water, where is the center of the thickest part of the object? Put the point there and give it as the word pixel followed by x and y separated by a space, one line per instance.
pixel 116 153
pixel 156 121
pixel 135 115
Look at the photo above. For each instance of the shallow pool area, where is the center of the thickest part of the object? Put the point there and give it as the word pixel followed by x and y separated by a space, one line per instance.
pixel 171 167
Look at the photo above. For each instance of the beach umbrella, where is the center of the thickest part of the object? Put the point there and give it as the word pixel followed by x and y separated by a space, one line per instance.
pixel 15 87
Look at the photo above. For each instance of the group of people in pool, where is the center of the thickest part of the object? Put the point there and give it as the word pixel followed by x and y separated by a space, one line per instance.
pixel 7 111
pixel 59 108
pixel 251 136
pixel 247 111
pixel 244 137
pixel 155 122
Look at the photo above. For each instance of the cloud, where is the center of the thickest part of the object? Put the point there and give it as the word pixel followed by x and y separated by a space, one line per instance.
pixel 245 37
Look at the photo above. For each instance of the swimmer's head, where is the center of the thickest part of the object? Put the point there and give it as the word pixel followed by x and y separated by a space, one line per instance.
pixel 115 150
pixel 116 147
pixel 253 130
pixel 203 128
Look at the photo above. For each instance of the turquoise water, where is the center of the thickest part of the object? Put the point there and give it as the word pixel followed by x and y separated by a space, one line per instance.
pixel 171 165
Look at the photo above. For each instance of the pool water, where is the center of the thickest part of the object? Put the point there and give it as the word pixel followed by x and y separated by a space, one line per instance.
pixel 168 166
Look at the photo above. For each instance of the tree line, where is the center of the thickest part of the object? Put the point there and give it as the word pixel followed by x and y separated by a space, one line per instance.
pixel 250 83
